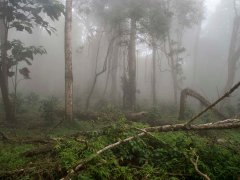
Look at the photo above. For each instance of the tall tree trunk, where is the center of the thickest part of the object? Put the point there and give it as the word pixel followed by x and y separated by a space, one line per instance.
pixel 114 72
pixel 129 84
pixel 9 114
pixel 68 62
pixel 154 52
pixel 234 54
pixel 173 70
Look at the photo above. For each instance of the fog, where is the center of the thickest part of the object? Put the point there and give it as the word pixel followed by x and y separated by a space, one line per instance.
pixel 204 60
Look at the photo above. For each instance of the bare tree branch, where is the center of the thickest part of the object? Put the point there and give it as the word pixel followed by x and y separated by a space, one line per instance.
pixel 195 163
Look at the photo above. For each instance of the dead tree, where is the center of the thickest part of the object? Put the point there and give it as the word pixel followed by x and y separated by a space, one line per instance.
pixel 189 92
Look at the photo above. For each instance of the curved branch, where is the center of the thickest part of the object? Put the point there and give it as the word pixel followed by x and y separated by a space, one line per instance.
pixel 197 170
pixel 189 92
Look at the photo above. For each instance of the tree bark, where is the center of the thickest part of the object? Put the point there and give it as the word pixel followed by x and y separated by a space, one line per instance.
pixel 68 63
pixel 114 72
pixel 129 84
pixel 8 107
pixel 173 70
pixel 154 51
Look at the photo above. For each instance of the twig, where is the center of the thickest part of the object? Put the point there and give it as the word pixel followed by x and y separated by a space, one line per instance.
pixel 215 103
pixel 198 171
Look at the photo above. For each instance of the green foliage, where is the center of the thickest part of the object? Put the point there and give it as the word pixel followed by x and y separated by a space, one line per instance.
pixel 162 156
pixel 23 15
pixel 49 108
pixel 17 53
pixel 69 153
pixel 10 156
pixel 159 156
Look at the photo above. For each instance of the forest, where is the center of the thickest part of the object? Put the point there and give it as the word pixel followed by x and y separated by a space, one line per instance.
pixel 119 89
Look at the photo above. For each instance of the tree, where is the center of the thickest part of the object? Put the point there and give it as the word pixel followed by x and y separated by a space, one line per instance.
pixel 21 15
pixel 155 26
pixel 135 12
pixel 114 69
pixel 185 14
pixel 68 62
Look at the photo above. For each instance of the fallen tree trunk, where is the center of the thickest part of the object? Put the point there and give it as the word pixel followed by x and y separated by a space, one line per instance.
pixel 226 124
pixel 189 92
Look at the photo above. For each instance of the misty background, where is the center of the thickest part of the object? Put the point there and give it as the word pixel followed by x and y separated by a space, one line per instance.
pixel 208 76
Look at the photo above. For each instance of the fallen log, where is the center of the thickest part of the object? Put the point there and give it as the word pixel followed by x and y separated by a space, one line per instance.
pixel 226 124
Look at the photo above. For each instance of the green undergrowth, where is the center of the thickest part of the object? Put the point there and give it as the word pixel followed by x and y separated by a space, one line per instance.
pixel 154 156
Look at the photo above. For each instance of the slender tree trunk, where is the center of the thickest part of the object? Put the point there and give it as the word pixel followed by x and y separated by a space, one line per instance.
pixel 129 101
pixel 234 54
pixel 195 55
pixel 15 89
pixel 9 114
pixel 68 62
pixel 154 52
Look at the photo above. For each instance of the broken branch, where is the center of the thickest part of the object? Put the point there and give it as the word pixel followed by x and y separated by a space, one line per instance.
pixel 195 163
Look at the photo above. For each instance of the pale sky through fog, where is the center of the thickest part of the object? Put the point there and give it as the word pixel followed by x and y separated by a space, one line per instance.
pixel 211 6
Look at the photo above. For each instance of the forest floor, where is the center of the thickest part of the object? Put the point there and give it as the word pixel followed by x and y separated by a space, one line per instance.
pixel 37 151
